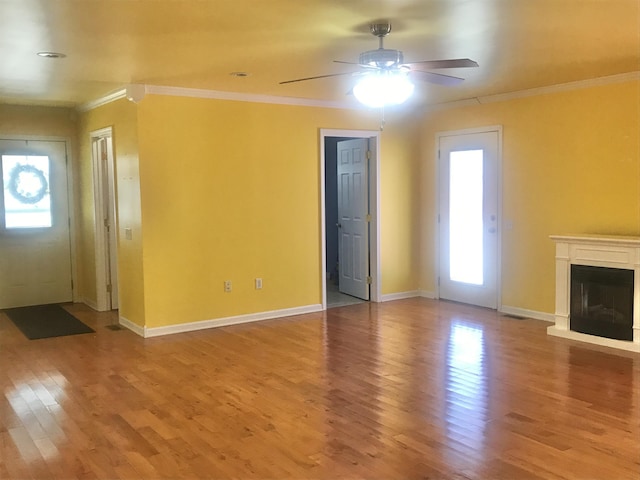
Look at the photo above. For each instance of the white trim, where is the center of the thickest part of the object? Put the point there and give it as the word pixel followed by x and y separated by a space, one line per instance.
pixel 88 302
pixel 134 327
pixel 602 341
pixel 374 193
pixel 223 322
pixel 470 131
pixel 523 312
pixel 111 97
pixel 532 92
pixel 307 102
pixel 428 294
pixel 219 95
pixel 390 297
pixel 247 97
pixel 561 87
pixel 103 302
pixel 71 210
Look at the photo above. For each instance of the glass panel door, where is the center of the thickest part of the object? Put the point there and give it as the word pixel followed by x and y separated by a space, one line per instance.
pixel 468 218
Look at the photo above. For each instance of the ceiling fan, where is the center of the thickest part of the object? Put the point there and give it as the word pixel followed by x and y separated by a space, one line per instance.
pixel 390 62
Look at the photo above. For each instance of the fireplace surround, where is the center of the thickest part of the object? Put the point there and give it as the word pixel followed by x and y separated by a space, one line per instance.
pixel 603 305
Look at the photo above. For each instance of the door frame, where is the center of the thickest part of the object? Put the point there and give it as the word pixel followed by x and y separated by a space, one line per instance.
pixel 436 222
pixel 71 207
pixel 374 209
pixel 102 302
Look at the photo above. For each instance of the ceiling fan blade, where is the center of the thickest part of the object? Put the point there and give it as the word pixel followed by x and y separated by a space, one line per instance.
pixel 316 77
pixel 358 64
pixel 436 78
pixel 452 63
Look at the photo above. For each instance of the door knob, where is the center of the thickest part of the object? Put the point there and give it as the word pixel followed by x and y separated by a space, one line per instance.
pixel 339 225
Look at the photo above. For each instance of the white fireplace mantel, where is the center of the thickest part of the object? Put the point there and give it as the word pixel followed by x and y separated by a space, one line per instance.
pixel 598 251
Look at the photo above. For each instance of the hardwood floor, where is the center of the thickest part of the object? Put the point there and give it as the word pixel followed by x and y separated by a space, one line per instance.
pixel 408 389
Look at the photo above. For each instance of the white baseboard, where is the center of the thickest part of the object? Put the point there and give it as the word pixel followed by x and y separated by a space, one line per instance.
pixel 89 303
pixel 134 327
pixel 389 297
pixel 522 312
pixel 428 294
pixel 223 322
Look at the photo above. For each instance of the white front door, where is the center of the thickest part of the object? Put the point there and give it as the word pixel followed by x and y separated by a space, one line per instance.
pixel 468 217
pixel 35 249
pixel 353 212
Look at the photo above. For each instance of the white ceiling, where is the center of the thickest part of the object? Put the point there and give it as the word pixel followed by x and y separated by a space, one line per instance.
pixel 519 44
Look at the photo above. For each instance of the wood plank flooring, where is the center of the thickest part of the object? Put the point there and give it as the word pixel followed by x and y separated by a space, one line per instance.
pixel 412 389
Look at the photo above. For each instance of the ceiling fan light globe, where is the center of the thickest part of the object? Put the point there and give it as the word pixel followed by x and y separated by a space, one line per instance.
pixel 380 90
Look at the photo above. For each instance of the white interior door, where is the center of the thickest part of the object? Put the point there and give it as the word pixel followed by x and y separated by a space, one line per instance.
pixel 35 249
pixel 468 217
pixel 353 211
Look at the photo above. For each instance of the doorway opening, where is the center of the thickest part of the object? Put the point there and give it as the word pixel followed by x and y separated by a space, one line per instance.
pixel 350 233
pixel 106 245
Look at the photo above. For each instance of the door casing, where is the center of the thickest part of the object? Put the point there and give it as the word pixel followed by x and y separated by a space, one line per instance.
pixel 487 129
pixel 105 256
pixel 374 208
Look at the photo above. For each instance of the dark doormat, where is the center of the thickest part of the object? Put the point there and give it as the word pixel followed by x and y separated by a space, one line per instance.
pixel 44 321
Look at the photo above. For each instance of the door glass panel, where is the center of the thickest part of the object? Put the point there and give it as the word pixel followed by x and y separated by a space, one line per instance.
pixel 465 217
pixel 27 200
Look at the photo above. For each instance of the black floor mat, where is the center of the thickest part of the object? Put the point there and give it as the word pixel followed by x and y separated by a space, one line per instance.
pixel 44 321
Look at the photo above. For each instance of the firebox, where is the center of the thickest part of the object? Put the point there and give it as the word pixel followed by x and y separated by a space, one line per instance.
pixel 601 301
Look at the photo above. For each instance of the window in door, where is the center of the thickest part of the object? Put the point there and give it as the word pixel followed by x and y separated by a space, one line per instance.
pixel 466 217
pixel 26 195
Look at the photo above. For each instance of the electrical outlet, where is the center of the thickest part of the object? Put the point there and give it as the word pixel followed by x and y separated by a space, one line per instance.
pixel 227 286
pixel 258 283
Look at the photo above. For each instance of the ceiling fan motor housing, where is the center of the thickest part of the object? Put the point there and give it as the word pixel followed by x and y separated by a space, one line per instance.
pixel 381 58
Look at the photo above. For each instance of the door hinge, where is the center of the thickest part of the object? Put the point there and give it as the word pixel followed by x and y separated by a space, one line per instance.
pixel 438 218
pixel 109 288
pixel 368 154
pixel 369 280
pixel 368 217
pixel 438 281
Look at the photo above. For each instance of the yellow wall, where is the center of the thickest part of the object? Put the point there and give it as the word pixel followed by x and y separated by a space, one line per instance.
pixel 31 120
pixel 215 190
pixel 571 164
pixel 121 115
pixel 230 191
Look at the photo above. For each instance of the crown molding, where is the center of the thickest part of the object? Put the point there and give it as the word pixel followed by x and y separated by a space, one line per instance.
pixel 532 92
pixel 218 95
pixel 111 97
pixel 306 102
pixel 246 97
pixel 562 87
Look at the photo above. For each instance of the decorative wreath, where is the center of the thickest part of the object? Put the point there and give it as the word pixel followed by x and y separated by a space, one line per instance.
pixel 22 189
